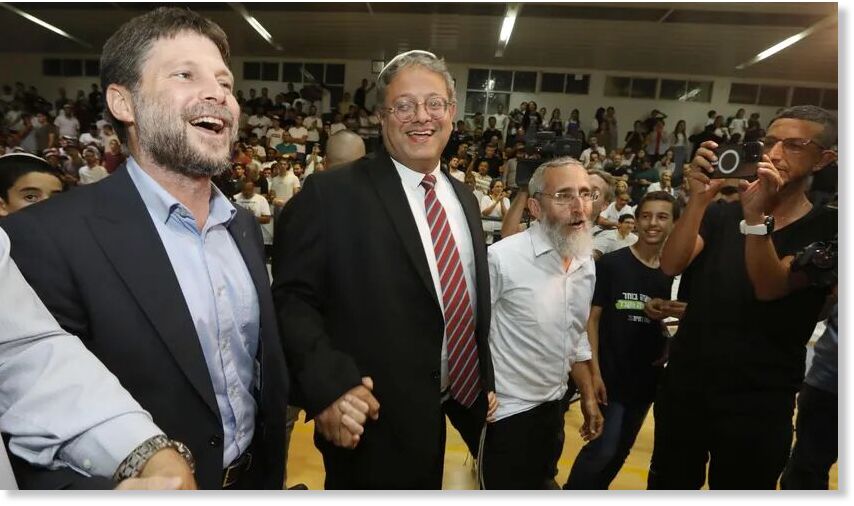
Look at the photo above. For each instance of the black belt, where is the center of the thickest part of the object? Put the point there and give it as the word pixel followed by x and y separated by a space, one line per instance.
pixel 237 470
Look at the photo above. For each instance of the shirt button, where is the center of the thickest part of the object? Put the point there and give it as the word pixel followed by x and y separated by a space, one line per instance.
pixel 87 464
pixel 215 441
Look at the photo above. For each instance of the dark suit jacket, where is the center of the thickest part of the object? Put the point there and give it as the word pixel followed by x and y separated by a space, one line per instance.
pixel 354 297
pixel 94 257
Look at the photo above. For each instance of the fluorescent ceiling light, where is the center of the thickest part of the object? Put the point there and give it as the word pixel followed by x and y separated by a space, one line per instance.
pixel 255 24
pixel 507 28
pixel 45 24
pixel 510 15
pixel 794 39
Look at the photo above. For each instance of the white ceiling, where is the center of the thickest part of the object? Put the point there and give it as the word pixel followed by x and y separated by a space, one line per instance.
pixel 653 37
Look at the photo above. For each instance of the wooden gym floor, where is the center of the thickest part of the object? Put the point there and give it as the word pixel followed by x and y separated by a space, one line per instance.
pixel 306 466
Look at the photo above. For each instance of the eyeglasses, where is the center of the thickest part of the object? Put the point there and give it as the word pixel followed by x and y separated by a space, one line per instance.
pixel 792 146
pixel 565 198
pixel 405 109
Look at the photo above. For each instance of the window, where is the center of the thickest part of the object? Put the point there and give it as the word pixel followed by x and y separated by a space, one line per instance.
pixel 292 72
pixel 577 84
pixel 773 95
pixel 93 68
pixel 552 82
pixel 251 71
pixel 525 81
pixel 634 87
pixel 643 88
pixel 71 67
pixel 686 91
pixel 487 88
pixel 269 71
pixel 52 67
pixel 261 71
pixel 618 86
pixel 741 93
pixel 806 96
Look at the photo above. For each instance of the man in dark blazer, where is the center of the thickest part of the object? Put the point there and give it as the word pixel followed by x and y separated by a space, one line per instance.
pixel 380 282
pixel 158 274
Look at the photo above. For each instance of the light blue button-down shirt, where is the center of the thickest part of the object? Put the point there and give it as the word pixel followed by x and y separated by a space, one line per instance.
pixel 221 297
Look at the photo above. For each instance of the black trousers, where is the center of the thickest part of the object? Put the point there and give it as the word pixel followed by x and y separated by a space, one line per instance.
pixel 520 452
pixel 817 443
pixel 744 437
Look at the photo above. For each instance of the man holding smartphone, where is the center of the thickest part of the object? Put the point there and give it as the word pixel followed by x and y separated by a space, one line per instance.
pixel 727 397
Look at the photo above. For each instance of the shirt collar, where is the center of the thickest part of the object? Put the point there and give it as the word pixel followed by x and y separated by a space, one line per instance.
pixel 412 179
pixel 162 204
pixel 540 242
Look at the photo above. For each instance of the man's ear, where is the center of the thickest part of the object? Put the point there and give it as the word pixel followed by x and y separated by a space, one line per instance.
pixel 118 99
pixel 534 207
pixel 4 211
pixel 827 157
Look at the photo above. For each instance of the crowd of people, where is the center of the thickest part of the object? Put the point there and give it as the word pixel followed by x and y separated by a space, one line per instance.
pixel 388 271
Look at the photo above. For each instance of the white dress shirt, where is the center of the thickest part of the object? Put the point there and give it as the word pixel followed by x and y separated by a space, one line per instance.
pixel 411 182
pixel 539 319
pixel 611 240
pixel 59 404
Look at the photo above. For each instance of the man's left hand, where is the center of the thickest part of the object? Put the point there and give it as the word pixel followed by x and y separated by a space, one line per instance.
pixel 492 406
pixel 594 422
pixel 756 196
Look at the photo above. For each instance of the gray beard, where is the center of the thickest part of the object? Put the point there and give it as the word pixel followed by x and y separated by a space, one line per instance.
pixel 576 244
pixel 163 136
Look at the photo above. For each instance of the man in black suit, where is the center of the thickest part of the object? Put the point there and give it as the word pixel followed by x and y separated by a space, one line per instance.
pixel 160 276
pixel 381 288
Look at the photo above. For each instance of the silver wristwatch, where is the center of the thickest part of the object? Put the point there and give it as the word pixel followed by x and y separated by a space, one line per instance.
pixel 132 466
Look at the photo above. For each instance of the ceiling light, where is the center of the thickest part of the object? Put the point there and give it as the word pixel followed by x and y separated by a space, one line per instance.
pixel 45 24
pixel 794 39
pixel 254 23
pixel 510 15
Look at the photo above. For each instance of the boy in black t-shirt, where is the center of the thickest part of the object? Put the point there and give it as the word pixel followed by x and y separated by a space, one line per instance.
pixel 627 340
pixel 727 396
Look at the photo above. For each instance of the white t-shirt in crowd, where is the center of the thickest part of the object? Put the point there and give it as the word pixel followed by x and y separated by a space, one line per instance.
pixel 92 175
pixel 275 136
pixel 334 128
pixel 612 214
pixel 258 206
pixel 610 240
pixel 284 187
pixel 297 132
pixel 67 126
pixel 317 123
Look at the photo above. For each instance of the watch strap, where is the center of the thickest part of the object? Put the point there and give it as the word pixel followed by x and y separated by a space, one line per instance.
pixel 133 465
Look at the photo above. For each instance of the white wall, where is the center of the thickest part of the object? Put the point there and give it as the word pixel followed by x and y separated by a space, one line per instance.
pixel 28 69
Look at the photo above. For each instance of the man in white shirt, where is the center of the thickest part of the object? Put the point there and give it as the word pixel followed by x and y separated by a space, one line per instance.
pixel 501 121
pixel 541 283
pixel 314 124
pixel 93 171
pixel 612 240
pixel 283 185
pixel 259 123
pixel 298 135
pixel 337 125
pixel 275 134
pixel 257 204
pixel 454 169
pixel 93 136
pixel 67 123
pixel 594 146
pixel 608 218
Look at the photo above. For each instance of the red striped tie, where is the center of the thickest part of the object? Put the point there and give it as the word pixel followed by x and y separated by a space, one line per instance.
pixel 459 318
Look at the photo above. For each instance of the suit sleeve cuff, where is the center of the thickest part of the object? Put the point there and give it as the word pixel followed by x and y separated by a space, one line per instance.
pixel 101 449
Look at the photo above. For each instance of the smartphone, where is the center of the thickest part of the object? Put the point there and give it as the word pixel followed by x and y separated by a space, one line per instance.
pixel 737 160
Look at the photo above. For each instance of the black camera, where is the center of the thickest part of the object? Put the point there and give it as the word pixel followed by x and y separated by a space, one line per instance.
pixel 737 160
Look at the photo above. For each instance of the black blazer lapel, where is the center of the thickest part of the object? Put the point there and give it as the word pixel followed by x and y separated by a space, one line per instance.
pixel 123 229
pixel 390 193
